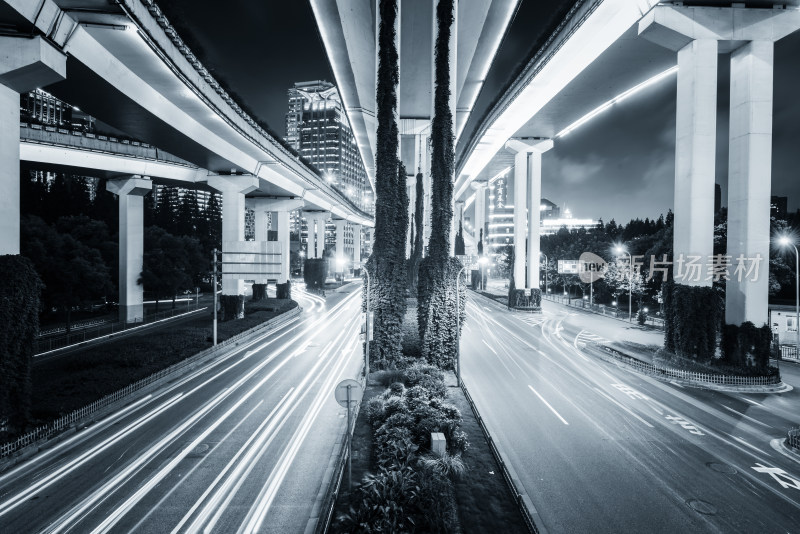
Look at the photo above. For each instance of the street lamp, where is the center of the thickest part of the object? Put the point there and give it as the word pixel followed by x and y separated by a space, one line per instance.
pixel 458 324
pixel 546 269
pixel 785 241
pixel 619 249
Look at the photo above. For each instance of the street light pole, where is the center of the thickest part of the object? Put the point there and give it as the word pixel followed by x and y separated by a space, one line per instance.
pixel 619 249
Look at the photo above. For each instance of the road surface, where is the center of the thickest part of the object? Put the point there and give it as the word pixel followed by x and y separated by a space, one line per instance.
pixel 238 446
pixel 599 448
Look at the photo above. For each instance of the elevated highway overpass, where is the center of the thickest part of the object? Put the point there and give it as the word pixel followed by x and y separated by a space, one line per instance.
pixel 605 51
pixel 123 63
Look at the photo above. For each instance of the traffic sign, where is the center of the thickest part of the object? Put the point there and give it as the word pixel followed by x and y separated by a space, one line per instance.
pixel 356 393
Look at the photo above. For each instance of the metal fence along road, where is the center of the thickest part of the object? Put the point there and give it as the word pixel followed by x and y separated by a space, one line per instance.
pixel 88 332
pixel 55 427
pixel 608 311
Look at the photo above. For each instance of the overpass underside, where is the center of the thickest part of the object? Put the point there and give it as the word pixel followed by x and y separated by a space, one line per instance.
pixel 123 63
pixel 606 52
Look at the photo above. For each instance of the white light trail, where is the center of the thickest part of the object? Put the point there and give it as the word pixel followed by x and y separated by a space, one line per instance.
pixel 617 99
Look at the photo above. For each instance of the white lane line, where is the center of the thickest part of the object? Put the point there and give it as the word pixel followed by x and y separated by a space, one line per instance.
pixel 754 403
pixel 623 407
pixel 490 347
pixel 548 405
pixel 746 416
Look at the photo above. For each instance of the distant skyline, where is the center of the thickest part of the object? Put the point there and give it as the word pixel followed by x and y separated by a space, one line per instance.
pixel 620 165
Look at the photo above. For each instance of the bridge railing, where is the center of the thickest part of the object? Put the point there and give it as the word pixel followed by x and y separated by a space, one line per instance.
pixel 608 311
pixel 789 352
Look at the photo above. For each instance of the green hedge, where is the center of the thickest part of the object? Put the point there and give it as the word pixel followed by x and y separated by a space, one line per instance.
pixel 525 299
pixel 20 288
pixel 315 272
pixel 746 345
pixel 693 316
pixel 231 307
pixel 259 292
pixel 284 291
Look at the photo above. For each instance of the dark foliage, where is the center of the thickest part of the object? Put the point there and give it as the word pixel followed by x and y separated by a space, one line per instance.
pixel 259 292
pixel 284 291
pixel 387 265
pixel 746 345
pixel 436 292
pixel 460 247
pixel 694 317
pixel 315 271
pixel 171 264
pixel 231 307
pixel 19 309
pixel 74 274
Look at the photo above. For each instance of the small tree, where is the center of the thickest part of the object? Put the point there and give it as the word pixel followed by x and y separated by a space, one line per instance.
pixel 171 263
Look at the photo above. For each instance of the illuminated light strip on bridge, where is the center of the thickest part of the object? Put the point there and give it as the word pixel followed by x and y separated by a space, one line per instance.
pixel 617 99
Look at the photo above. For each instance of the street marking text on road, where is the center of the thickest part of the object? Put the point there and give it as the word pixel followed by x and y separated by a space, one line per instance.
pixel 685 424
pixel 630 392
pixel 548 405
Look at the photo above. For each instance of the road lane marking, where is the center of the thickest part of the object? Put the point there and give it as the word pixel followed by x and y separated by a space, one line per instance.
pixel 548 405
pixel 490 347
pixel 746 416
pixel 754 403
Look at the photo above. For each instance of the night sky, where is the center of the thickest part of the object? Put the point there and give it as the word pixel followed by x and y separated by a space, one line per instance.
pixel 620 165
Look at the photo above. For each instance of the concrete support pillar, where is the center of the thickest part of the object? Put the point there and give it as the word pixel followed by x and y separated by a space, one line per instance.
pixel 480 211
pixel 527 199
pixel 281 208
pixel 131 192
pixel 260 221
pixel 520 215
pixel 749 174
pixel 340 256
pixel 356 245
pixel 233 189
pixel 284 239
pixel 316 232
pixel 695 153
pixel 25 64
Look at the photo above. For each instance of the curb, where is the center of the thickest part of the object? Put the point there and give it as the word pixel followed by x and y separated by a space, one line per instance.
pixel 178 370
pixel 529 513
pixel 322 511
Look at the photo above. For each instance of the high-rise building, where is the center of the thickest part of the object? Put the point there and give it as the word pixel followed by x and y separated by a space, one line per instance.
pixel 318 128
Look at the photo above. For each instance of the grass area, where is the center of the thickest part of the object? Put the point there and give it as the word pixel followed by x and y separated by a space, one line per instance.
pixel 64 384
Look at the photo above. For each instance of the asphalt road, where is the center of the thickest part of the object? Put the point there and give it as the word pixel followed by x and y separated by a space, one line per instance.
pixel 241 445
pixel 599 448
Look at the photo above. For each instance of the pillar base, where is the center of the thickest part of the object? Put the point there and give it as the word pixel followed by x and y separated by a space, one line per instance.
pixel 131 314
pixel 231 307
